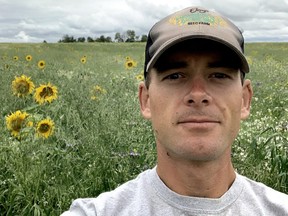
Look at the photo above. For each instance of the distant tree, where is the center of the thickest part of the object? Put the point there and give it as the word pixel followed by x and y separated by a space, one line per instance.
pixel 90 39
pixel 67 39
pixel 118 37
pixel 144 38
pixel 102 39
pixel 130 36
pixel 81 39
pixel 108 39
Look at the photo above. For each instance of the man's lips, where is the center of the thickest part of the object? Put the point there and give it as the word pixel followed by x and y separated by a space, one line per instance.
pixel 197 120
pixel 198 123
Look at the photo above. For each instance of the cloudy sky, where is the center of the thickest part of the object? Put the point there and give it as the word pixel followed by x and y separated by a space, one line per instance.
pixel 39 20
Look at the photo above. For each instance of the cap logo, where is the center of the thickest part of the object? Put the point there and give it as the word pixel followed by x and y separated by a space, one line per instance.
pixel 198 17
pixel 193 10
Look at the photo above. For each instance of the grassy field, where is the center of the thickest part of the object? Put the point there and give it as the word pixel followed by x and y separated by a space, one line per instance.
pixel 70 123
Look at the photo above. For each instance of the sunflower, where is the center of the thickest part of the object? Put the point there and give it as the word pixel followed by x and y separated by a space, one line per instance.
pixel 45 93
pixel 15 58
pixel 22 86
pixel 127 58
pixel 83 60
pixel 45 128
pixel 130 64
pixel 96 91
pixel 6 66
pixel 41 64
pixel 15 122
pixel 28 58
pixel 140 77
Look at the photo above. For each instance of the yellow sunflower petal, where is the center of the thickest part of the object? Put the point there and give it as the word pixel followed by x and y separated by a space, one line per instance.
pixel 83 60
pixel 46 93
pixel 45 128
pixel 130 64
pixel 15 122
pixel 28 58
pixel 22 86
pixel 41 64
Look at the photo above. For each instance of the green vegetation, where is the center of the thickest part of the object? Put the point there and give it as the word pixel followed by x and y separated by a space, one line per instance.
pixel 99 138
pixel 128 36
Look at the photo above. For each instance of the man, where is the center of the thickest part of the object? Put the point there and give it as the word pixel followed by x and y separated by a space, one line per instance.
pixel 195 96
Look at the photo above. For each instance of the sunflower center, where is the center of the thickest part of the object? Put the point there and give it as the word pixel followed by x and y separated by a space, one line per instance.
pixel 22 87
pixel 130 64
pixel 46 92
pixel 44 128
pixel 16 124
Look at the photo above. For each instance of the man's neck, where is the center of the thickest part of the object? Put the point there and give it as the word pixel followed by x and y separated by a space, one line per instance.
pixel 199 179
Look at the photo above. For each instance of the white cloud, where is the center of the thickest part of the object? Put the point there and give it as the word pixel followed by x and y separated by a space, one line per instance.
pixel 51 19
pixel 23 37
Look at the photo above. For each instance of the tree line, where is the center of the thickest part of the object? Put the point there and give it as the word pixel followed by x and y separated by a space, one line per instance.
pixel 128 36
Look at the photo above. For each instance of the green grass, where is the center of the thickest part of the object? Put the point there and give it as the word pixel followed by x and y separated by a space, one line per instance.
pixel 99 144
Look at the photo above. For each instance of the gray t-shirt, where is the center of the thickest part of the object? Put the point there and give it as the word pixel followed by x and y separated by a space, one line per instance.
pixel 147 195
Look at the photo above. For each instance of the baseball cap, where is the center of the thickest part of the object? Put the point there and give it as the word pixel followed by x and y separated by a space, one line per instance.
pixel 193 23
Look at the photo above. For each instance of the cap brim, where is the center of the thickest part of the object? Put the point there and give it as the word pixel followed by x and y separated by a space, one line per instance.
pixel 244 64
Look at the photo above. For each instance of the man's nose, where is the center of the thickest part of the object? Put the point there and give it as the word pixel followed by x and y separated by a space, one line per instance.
pixel 197 93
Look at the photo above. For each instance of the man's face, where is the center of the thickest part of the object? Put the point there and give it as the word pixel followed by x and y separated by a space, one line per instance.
pixel 195 102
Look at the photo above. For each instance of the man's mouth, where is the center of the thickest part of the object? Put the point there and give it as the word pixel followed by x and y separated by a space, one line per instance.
pixel 198 122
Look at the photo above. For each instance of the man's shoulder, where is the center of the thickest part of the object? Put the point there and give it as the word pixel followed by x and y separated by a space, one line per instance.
pixel 130 188
pixel 262 194
pixel 115 201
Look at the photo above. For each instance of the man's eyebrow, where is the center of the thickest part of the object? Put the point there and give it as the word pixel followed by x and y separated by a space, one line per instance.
pixel 224 64
pixel 162 66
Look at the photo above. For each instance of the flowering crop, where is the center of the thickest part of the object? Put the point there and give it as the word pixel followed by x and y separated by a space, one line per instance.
pixel 63 135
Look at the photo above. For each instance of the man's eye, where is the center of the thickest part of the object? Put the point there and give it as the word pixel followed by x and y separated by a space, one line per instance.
pixel 173 76
pixel 219 76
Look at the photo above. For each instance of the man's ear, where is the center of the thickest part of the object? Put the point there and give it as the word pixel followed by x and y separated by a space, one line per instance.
pixel 247 93
pixel 144 100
